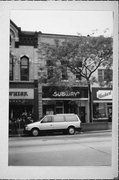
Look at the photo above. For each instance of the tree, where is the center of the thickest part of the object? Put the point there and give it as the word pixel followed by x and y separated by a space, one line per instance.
pixel 92 52
pixel 82 56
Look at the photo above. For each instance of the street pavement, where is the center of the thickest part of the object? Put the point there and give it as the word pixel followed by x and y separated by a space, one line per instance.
pixel 86 149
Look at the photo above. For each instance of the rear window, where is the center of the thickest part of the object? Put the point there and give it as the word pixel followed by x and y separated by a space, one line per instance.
pixel 59 118
pixel 71 118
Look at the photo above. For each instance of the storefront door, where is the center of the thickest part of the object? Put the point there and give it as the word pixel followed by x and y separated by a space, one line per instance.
pixel 82 114
pixel 59 110
pixel 109 109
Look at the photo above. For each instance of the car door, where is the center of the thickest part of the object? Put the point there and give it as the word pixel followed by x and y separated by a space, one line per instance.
pixel 46 124
pixel 59 122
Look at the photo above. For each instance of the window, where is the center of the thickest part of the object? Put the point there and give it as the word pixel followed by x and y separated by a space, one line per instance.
pixel 50 72
pixel 100 75
pixel 50 68
pixel 24 68
pixel 59 118
pixel 108 74
pixel 47 119
pixel 99 110
pixel 64 74
pixel 78 76
pixel 71 118
pixel 10 40
pixel 11 73
pixel 104 75
pixel 64 70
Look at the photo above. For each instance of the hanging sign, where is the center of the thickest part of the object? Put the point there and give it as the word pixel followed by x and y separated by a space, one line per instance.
pixel 21 93
pixel 104 94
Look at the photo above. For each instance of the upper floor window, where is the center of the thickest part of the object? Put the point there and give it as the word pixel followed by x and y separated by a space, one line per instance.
pixel 64 71
pixel 12 39
pixel 79 66
pixel 50 72
pixel 104 75
pixel 78 76
pixel 11 68
pixel 24 68
pixel 50 69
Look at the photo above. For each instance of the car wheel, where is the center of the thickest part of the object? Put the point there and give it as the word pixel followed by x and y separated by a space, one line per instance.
pixel 35 132
pixel 71 130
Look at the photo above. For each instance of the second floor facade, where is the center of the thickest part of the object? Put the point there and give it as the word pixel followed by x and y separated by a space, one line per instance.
pixel 28 64
pixel 22 55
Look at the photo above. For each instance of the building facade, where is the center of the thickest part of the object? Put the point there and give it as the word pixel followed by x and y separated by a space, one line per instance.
pixel 23 86
pixel 29 94
pixel 74 100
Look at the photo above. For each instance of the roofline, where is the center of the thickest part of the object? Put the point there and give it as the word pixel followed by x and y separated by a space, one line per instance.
pixel 29 32
pixel 49 34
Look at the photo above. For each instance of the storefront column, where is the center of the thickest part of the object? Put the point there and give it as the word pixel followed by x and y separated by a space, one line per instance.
pixel 40 105
pixel 35 100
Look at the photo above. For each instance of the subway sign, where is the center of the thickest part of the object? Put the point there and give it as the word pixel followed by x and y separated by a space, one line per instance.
pixel 60 92
pixel 21 93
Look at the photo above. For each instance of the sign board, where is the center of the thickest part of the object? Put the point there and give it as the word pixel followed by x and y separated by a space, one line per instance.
pixel 104 94
pixel 21 93
pixel 60 92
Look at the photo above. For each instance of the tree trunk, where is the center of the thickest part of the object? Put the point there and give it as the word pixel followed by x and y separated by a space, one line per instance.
pixel 90 101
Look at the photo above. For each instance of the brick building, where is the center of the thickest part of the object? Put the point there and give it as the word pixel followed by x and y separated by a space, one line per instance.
pixel 23 86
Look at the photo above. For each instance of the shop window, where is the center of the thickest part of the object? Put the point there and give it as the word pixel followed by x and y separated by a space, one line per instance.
pixel 11 68
pixel 99 110
pixel 24 68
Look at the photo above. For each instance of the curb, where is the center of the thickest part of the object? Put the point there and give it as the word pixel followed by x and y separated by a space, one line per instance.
pixel 83 132
pixel 98 131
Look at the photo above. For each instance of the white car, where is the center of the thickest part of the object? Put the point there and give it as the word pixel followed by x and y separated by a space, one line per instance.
pixel 59 122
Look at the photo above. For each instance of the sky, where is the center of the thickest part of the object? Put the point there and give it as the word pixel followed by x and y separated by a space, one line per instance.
pixel 65 22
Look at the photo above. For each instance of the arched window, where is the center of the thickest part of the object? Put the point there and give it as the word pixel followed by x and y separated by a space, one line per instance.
pixel 11 68
pixel 24 68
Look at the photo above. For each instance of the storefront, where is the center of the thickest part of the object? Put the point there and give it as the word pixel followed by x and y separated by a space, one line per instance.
pixel 23 99
pixel 65 100
pixel 102 104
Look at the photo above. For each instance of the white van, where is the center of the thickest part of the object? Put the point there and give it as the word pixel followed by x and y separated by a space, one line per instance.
pixel 59 122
